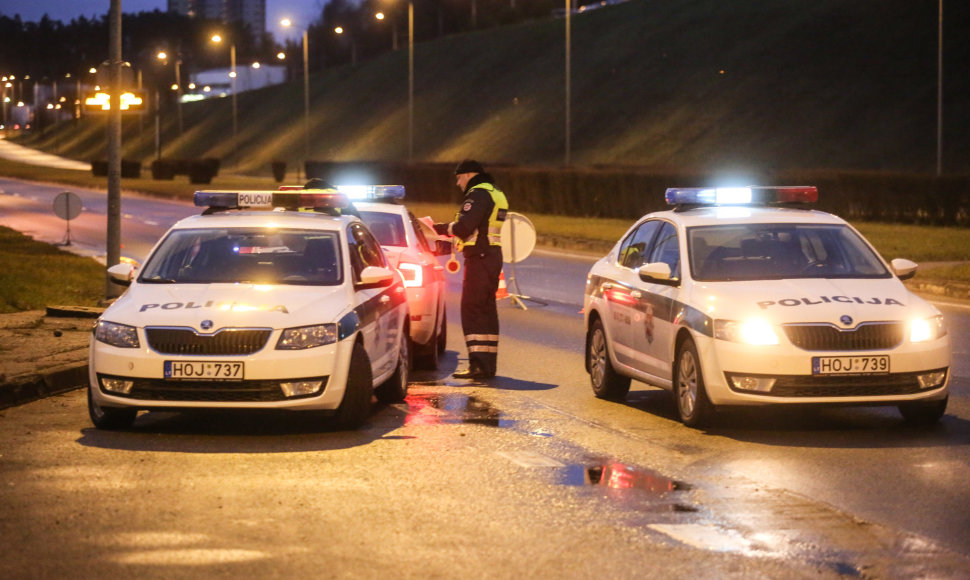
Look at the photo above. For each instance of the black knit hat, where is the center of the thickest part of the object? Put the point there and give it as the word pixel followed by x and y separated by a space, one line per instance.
pixel 469 166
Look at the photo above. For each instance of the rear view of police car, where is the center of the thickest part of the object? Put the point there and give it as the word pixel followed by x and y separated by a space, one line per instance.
pixel 244 307
pixel 408 250
pixel 747 296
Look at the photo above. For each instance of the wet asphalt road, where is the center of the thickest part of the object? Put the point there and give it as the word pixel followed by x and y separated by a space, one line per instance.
pixel 499 481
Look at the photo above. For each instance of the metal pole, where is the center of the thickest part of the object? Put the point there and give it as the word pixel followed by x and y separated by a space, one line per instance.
pixel 235 126
pixel 939 97
pixel 567 159
pixel 410 81
pixel 113 241
pixel 306 97
pixel 178 90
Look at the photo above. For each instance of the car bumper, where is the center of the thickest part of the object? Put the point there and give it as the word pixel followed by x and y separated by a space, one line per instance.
pixel 736 374
pixel 111 369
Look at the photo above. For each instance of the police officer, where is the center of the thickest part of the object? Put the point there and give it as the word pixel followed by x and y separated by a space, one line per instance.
pixel 477 229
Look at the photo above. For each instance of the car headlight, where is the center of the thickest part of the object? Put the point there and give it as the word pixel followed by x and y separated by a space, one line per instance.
pixel 756 331
pixel 924 329
pixel 120 335
pixel 307 337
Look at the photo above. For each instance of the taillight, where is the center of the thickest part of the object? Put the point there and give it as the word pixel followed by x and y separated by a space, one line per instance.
pixel 413 274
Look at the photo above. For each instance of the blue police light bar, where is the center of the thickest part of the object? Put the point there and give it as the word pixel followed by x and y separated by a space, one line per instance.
pixel 741 195
pixel 372 192
pixel 269 199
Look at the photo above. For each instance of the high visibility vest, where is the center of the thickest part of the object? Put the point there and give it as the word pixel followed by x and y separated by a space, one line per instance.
pixel 499 210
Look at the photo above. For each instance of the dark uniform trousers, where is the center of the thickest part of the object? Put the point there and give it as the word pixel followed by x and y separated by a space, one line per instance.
pixel 479 314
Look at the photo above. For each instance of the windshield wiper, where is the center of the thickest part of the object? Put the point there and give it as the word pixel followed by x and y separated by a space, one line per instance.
pixel 157 280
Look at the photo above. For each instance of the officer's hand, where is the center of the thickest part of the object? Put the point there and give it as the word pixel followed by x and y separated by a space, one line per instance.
pixel 441 229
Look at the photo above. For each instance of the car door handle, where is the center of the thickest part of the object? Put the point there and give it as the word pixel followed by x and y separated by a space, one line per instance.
pixel 636 294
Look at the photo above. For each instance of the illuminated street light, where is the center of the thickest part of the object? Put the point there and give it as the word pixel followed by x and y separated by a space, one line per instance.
pixel 177 86
pixel 353 44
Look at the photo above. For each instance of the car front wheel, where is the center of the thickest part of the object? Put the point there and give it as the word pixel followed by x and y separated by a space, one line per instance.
pixel 356 405
pixel 923 413
pixel 693 406
pixel 110 418
pixel 607 383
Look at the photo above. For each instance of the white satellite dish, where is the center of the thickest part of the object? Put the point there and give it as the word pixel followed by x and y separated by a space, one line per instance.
pixel 518 237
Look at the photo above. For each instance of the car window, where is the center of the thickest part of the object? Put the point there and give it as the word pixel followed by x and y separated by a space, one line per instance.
pixel 633 250
pixel 422 240
pixel 253 255
pixel 388 228
pixel 776 251
pixel 364 249
pixel 666 249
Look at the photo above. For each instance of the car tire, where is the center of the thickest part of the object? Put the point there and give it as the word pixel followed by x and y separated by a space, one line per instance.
pixel 607 383
pixel 428 356
pixel 923 413
pixel 690 395
pixel 356 405
pixel 443 334
pixel 110 418
pixel 395 389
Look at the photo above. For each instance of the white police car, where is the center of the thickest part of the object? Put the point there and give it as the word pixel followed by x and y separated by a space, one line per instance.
pixel 745 296
pixel 254 309
pixel 408 249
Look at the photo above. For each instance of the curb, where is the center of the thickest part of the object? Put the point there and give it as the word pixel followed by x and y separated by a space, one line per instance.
pixel 33 387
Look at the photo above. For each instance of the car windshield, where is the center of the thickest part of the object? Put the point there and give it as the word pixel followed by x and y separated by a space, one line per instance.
pixel 388 228
pixel 776 251
pixel 248 255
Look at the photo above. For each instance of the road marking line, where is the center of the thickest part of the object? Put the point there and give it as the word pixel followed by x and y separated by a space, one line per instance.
pixel 529 459
pixel 705 537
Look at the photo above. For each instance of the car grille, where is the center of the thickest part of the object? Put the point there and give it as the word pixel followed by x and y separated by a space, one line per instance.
pixel 212 391
pixel 228 341
pixel 869 336
pixel 845 386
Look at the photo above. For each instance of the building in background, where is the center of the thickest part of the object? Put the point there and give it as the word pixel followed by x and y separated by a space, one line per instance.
pixel 249 12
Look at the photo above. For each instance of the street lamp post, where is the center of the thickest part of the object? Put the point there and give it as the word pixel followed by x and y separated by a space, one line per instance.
pixel 410 81
pixel 306 90
pixel 232 88
pixel 939 95
pixel 353 43
pixel 568 129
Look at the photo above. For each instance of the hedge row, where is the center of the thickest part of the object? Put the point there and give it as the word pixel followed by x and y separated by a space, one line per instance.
pixel 198 170
pixel 629 193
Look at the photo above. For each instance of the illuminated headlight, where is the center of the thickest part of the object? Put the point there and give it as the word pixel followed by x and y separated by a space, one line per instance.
pixel 300 388
pixel 755 332
pixel 307 337
pixel 120 335
pixel 412 274
pixel 925 329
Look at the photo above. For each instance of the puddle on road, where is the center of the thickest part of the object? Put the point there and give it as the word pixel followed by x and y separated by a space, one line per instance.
pixel 452 408
pixel 617 475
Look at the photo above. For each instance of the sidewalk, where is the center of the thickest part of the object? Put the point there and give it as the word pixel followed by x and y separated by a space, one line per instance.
pixel 43 353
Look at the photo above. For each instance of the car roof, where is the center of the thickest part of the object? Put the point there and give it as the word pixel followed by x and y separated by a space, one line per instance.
pixel 727 214
pixel 267 219
pixel 382 207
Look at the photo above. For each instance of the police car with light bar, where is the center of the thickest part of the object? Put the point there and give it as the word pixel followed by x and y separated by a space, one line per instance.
pixel 409 250
pixel 255 304
pixel 747 296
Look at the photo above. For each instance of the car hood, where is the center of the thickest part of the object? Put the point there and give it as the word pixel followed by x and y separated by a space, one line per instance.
pixel 815 300
pixel 209 307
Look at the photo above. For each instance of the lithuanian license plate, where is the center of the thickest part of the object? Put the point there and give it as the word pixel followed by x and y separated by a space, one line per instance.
pixel 204 370
pixel 850 365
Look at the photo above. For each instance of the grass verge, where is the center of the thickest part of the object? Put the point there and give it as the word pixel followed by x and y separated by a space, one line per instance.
pixel 34 275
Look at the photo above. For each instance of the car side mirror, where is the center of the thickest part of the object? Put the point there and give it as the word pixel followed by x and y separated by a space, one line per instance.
pixel 375 277
pixel 657 273
pixel 904 269
pixel 122 273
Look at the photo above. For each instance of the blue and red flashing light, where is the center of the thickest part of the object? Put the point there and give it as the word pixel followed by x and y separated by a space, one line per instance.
pixel 695 196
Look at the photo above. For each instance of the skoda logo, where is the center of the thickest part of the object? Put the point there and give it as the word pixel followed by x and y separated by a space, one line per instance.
pixel 207 324
pixel 846 320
